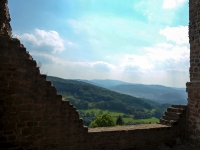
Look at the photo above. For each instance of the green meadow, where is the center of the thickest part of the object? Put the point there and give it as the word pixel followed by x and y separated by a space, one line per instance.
pixel 128 119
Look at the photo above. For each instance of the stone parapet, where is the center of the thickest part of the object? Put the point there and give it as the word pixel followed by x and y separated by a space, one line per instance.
pixel 33 116
pixel 132 137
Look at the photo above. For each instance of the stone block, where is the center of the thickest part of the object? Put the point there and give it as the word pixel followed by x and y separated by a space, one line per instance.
pixel 22 107
pixel 2 139
pixel 21 124
pixel 38 130
pixel 11 138
pixel 32 123
pixel 26 131
pixel 9 126
pixel 7 145
pixel 22 50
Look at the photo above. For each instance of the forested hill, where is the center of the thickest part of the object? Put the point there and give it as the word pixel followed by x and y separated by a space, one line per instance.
pixel 158 93
pixel 84 95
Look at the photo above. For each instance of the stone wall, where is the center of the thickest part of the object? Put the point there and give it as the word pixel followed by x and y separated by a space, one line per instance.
pixel 193 114
pixel 194 31
pixel 132 137
pixel 33 116
pixel 193 87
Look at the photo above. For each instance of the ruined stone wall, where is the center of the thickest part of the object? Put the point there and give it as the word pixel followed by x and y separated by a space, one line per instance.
pixel 193 87
pixel 5 27
pixel 33 116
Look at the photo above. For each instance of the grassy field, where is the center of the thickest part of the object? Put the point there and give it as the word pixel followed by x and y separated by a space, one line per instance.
pixel 141 121
pixel 126 120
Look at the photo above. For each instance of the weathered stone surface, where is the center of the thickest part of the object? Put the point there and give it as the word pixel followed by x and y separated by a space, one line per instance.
pixel 33 116
pixel 193 87
pixel 31 112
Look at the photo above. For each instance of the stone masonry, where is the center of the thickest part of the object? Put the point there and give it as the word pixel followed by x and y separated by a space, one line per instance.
pixel 193 87
pixel 33 116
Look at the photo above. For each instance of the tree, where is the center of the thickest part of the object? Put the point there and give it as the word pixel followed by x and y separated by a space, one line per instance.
pixel 119 121
pixel 105 120
pixel 158 113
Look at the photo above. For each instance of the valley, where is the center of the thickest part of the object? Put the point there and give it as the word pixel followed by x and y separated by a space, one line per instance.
pixel 92 100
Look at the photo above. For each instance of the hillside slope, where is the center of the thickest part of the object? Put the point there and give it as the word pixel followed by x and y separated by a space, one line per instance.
pixel 91 95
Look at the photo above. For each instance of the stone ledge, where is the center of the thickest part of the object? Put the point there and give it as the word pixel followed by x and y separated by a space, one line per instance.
pixel 128 128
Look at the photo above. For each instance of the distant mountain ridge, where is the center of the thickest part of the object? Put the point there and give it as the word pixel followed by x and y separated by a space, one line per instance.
pixel 108 82
pixel 157 93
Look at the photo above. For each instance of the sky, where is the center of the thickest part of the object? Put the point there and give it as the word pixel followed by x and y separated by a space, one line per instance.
pixel 137 41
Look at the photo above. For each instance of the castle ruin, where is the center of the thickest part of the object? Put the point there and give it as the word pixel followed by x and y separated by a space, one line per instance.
pixel 33 116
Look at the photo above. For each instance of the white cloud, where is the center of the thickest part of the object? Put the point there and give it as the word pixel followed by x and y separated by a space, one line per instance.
pixel 42 38
pixel 179 35
pixel 102 65
pixel 165 51
pixel 132 61
pixel 160 64
pixel 170 4
pixel 163 56
pixel 99 65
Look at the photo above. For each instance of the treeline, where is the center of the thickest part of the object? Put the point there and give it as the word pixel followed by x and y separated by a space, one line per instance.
pixel 88 117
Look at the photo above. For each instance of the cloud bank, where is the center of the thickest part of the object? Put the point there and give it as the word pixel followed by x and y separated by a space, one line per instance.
pixel 41 39
pixel 170 4
pixel 140 41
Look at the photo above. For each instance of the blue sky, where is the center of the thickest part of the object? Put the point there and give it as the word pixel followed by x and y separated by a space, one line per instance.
pixel 138 41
